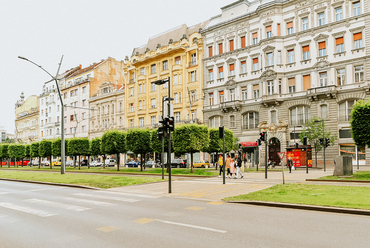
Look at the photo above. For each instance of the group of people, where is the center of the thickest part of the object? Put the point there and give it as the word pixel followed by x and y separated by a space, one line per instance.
pixel 232 165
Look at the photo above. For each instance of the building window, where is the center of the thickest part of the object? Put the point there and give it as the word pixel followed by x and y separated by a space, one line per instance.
pixel 341 76
pixel 278 29
pixel 142 71
pixel 153 68
pixel 141 121
pixel 255 38
pixel 244 67
pixel 256 91
pixel 306 52
pixel 270 59
pixel 273 116
pixel 211 99
pixel 242 41
pixel 357 8
pixel 232 121
pixel 83 128
pixel 255 64
pixel 321 17
pixel 177 117
pixel 84 89
pixel 323 79
pixel 220 48
pixel 83 115
pixel 153 88
pixel 153 120
pixel 358 40
pixel 178 60
pixel 193 59
pixel 131 107
pixel 165 65
pixel 221 96
pixel 345 109
pixel 270 87
pixel 140 88
pixel 324 111
pixel 289 26
pixel 268 32
pixel 153 101
pixel 131 123
pixel 210 74
pixel 251 120
pixel 231 45
pixel 304 24
pixel 290 56
pixel 232 94
pixel 279 57
pixel 140 105
pixel 244 94
pixel 210 51
pixel 132 91
pixel 291 85
pixel 232 70
pixel 84 102
pixel 221 72
pixel 176 79
pixel 340 44
pixel 359 74
pixel 299 115
pixel 192 76
pixel 338 14
pixel 216 121
pixel 192 95
pixel 322 49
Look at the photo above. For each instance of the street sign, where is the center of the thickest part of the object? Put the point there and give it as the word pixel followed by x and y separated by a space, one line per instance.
pixel 281 155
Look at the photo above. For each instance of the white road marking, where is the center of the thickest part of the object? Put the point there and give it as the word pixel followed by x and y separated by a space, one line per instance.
pixel 4 193
pixel 58 205
pixel 107 197
pixel 34 190
pixel 100 203
pixel 191 226
pixel 26 209
pixel 133 194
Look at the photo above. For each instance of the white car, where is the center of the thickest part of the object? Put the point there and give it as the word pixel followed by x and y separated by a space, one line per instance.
pixel 110 162
pixel 95 163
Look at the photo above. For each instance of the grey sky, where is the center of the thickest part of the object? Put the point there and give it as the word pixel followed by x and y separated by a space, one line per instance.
pixel 84 31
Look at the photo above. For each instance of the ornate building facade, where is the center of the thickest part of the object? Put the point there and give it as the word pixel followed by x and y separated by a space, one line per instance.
pixel 27 119
pixel 273 65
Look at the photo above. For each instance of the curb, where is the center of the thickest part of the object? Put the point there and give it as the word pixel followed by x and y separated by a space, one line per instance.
pixel 337 180
pixel 306 207
pixel 54 184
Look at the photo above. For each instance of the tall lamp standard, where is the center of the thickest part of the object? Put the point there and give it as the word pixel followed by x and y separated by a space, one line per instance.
pixel 160 82
pixel 62 166
pixel 324 142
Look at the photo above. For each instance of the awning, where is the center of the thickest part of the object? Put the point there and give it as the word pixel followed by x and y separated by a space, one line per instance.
pixel 249 144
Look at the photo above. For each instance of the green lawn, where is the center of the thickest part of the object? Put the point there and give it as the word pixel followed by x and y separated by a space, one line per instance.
pixel 360 175
pixel 320 195
pixel 197 171
pixel 98 181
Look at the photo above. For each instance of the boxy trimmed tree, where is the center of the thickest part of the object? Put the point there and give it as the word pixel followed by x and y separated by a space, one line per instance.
pixel 4 152
pixel 138 141
pixel 16 151
pixel 360 125
pixel 190 138
pixel 45 149
pixel 35 151
pixel 96 148
pixel 78 147
pixel 114 142
pixel 27 153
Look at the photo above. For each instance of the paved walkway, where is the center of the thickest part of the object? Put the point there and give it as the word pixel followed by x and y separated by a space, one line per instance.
pixel 213 189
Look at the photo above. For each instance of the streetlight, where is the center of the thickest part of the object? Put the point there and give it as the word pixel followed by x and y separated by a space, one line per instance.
pixel 161 82
pixel 324 141
pixel 62 166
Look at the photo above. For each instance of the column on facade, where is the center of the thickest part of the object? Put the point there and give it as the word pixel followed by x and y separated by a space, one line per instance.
pixel 314 79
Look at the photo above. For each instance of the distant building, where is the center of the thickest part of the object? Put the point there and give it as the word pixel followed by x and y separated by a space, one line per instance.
pixel 4 135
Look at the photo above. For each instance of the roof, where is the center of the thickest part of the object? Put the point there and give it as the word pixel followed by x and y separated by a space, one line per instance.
pixel 83 70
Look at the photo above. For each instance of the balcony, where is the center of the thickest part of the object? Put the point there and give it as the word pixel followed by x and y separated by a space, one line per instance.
pixel 132 80
pixel 274 99
pixel 329 91
pixel 192 63
pixel 230 105
pixel 57 123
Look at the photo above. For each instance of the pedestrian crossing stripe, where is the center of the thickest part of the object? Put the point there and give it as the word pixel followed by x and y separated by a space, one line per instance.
pixel 26 209
pixel 58 205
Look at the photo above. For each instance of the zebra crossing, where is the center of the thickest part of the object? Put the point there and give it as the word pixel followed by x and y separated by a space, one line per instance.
pixel 73 202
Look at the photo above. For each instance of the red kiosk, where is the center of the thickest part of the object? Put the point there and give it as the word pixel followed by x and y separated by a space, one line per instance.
pixel 300 154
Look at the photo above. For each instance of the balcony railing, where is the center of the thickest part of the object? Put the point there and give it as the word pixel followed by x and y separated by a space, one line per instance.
pixel 192 63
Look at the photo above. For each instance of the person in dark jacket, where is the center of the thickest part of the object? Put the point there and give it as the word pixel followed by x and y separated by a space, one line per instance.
pixel 290 164
pixel 238 164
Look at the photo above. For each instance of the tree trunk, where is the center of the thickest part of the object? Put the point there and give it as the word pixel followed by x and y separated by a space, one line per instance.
pixel 88 162
pixel 79 162
pixel 15 162
pixel 51 161
pixel 74 161
pixel 316 156
pixel 117 161
pixel 144 161
pixel 216 161
pixel 191 158
pixel 1 162
pixel 22 162
pixel 141 162
pixel 103 161
pixel 31 161
pixel 39 162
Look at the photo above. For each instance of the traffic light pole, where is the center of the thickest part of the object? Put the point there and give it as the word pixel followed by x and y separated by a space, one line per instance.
pixel 266 157
pixel 169 137
pixel 323 135
pixel 162 156
pixel 223 156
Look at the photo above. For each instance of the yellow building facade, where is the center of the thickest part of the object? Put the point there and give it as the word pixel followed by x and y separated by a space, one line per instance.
pixel 27 119
pixel 176 54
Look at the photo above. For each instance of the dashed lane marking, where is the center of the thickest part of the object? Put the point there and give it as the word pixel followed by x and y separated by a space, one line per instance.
pixel 58 205
pixel 216 203
pixel 99 203
pixel 143 221
pixel 191 226
pixel 26 209
pixel 107 197
pixel 194 208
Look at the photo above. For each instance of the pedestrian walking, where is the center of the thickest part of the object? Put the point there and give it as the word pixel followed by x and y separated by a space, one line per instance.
pixel 232 168
pixel 290 164
pixel 221 164
pixel 228 161
pixel 238 165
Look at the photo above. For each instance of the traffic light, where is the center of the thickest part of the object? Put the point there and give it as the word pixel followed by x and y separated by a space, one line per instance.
pixel 327 142
pixel 305 141
pixel 221 132
pixel 321 141
pixel 258 142
pixel 160 132
pixel 171 124
pixel 263 136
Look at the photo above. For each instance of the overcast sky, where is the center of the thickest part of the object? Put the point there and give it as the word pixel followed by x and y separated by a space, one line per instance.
pixel 84 31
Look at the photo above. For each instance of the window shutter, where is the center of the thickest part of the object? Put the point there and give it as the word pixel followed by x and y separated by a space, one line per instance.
pixel 255 61
pixel 244 62
pixel 339 41
pixel 291 81
pixel 221 93
pixel 254 35
pixel 322 45
pixel 256 87
pixel 231 45
pixel 210 51
pixel 306 82
pixel 243 41
pixel 221 69
pixel 292 50
pixel 211 70
pixel 306 48
pixel 289 24
pixel 278 29
pixel 268 28
pixel 231 67
pixel 220 48
pixel 357 36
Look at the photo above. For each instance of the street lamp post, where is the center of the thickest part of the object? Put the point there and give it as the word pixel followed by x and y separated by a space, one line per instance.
pixel 62 166
pixel 160 82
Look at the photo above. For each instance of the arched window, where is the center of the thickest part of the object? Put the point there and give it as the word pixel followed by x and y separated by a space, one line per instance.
pixel 299 115
pixel 345 109
pixel 324 111
pixel 216 121
pixel 251 120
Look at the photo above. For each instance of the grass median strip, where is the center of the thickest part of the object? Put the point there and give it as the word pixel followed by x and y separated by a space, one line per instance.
pixel 360 175
pixel 318 195
pixel 97 181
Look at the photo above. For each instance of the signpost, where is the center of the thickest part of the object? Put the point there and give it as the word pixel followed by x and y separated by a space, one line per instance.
pixel 281 155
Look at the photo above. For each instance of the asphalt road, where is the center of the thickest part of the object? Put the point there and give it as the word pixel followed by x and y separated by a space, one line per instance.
pixel 33 215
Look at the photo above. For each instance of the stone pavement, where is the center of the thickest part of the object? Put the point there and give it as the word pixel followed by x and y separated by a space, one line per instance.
pixel 213 189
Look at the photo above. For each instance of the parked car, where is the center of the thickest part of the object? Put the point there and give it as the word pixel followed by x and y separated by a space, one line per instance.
pixel 95 163
pixel 33 163
pixel 152 163
pixel 84 162
pixel 69 163
pixel 133 164
pixel 201 164
pixel 110 162
pixel 56 162
pixel 178 163
pixel 45 163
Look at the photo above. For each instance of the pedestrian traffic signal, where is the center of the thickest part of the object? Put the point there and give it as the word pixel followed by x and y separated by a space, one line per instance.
pixel 160 132
pixel 305 141
pixel 321 141
pixel 258 142
pixel 171 124
pixel 327 142
pixel 221 132
pixel 263 136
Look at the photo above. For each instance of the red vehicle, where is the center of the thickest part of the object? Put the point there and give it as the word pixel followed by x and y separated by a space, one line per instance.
pixel 300 154
pixel 19 163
